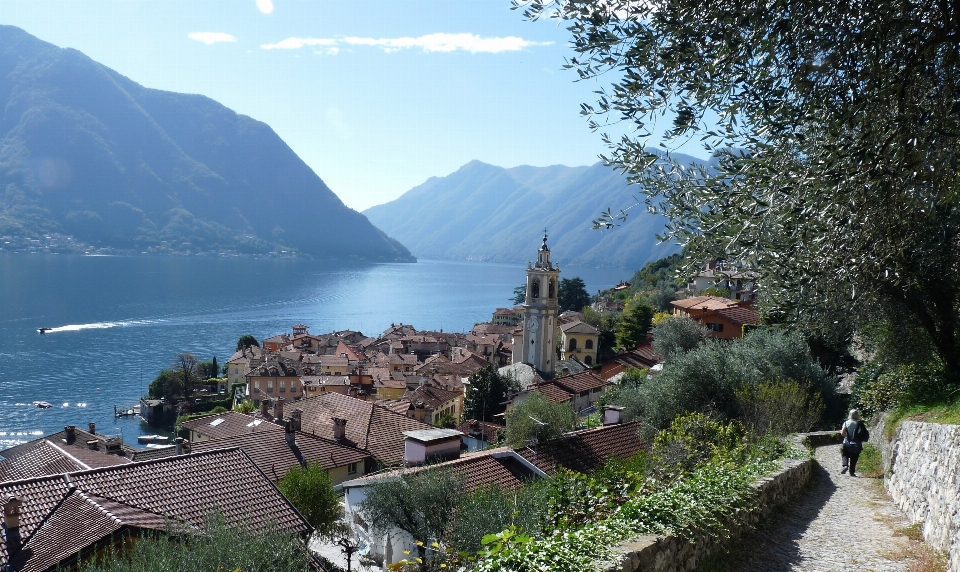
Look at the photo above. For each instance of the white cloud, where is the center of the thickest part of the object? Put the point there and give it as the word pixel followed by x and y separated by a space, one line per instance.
pixel 297 43
pixel 429 43
pixel 265 6
pixel 210 38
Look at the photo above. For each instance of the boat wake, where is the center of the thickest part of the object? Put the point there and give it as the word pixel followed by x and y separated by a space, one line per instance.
pixel 98 326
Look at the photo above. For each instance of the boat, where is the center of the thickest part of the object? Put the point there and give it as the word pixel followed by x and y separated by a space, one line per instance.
pixel 153 439
pixel 158 446
pixel 44 330
pixel 42 404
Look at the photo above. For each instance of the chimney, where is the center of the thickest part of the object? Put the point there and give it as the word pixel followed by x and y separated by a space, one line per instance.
pixel 179 443
pixel 93 444
pixel 264 406
pixel 71 434
pixel 339 429
pixel 11 523
pixel 289 433
pixel 612 414
pixel 278 409
pixel 93 428
pixel 296 420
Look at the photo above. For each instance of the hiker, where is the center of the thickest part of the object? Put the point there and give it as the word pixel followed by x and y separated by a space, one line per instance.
pixel 854 433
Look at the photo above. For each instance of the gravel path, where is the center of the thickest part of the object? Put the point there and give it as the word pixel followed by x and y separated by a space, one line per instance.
pixel 816 533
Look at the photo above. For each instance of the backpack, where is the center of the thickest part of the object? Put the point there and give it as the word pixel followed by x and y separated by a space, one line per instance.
pixel 860 434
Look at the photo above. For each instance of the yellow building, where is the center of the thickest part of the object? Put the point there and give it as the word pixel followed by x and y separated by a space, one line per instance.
pixel 579 339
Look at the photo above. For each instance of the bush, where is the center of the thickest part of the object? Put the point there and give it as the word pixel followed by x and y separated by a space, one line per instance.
pixel 879 388
pixel 219 547
pixel 694 440
pixel 311 491
pixel 555 420
pixel 492 509
pixel 779 408
pixel 673 336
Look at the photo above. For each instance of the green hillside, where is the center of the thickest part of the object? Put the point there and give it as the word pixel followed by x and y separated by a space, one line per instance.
pixel 86 152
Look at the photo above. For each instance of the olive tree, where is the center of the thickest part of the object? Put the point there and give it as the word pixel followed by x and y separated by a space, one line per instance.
pixel 834 129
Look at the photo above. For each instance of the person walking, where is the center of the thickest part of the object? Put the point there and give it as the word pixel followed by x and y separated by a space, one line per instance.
pixel 854 433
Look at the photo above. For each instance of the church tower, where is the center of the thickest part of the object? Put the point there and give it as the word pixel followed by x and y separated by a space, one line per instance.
pixel 540 310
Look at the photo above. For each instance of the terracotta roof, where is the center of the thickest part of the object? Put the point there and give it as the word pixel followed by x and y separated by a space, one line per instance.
pixel 704 303
pixel 738 315
pixel 48 458
pixel 644 356
pixel 325 380
pixel 376 430
pixel 67 514
pixel 334 361
pixel 500 467
pixel 578 327
pixel 583 381
pixel 77 449
pixel 431 397
pixel 503 312
pixel 553 392
pixel 583 451
pixel 271 452
pixel 400 406
pixel 228 424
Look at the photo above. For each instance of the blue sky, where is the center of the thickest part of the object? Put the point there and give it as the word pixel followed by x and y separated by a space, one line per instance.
pixel 376 96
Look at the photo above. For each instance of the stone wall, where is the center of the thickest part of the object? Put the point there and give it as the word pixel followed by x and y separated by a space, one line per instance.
pixel 923 476
pixel 674 554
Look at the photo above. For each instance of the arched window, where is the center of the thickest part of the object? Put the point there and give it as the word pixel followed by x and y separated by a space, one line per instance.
pixel 572 346
pixel 535 289
pixel 588 360
pixel 551 289
pixel 588 344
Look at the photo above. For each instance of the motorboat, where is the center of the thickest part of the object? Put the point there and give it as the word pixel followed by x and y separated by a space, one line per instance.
pixel 153 439
pixel 44 330
pixel 43 404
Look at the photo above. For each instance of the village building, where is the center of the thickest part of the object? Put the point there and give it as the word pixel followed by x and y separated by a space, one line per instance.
pixel 227 424
pixel 479 435
pixel 580 340
pixel 362 425
pixel 314 385
pixel 276 452
pixel 643 357
pixel 740 284
pixel 431 404
pixel 56 522
pixel 505 317
pixel 237 365
pixel 725 318
pixel 277 376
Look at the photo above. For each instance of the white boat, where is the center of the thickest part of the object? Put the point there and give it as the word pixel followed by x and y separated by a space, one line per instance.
pixel 158 446
pixel 44 330
pixel 42 404
pixel 153 439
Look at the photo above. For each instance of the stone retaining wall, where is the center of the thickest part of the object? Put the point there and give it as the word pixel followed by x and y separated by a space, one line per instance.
pixel 674 554
pixel 923 477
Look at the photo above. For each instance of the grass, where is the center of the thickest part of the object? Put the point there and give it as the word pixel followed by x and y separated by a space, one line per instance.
pixel 870 464
pixel 922 558
pixel 944 413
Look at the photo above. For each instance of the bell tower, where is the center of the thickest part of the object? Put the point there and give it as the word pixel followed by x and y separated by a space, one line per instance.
pixel 540 309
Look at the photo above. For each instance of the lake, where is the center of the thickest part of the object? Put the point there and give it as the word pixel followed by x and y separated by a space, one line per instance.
pixel 120 319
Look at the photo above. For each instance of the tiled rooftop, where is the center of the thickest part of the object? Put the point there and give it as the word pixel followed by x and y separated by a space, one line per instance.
pixel 583 381
pixel 371 428
pixel 583 451
pixel 66 514
pixel 228 424
pixel 271 452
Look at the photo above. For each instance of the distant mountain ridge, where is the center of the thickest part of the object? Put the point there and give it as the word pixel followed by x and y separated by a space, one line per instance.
pixel 86 152
pixel 488 213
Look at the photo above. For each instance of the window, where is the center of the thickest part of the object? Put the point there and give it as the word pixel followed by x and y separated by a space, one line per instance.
pixel 283 386
pixel 293 385
pixel 588 344
pixel 714 327
pixel 572 345
pixel 588 360
pixel 535 289
pixel 269 385
pixel 352 469
pixel 551 289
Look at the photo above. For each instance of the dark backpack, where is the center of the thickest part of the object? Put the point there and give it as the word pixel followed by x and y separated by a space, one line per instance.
pixel 860 434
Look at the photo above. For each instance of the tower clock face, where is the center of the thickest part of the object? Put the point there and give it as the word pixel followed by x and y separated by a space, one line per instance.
pixel 533 325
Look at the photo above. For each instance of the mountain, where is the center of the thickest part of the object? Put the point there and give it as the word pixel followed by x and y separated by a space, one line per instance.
pixel 488 213
pixel 88 153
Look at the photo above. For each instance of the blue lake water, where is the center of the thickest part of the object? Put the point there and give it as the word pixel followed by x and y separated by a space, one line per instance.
pixel 119 320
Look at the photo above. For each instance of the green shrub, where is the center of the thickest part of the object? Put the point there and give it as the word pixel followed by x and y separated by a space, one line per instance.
pixel 693 440
pixel 780 408
pixel 870 463
pixel 219 548
pixel 492 509
pixel 555 419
